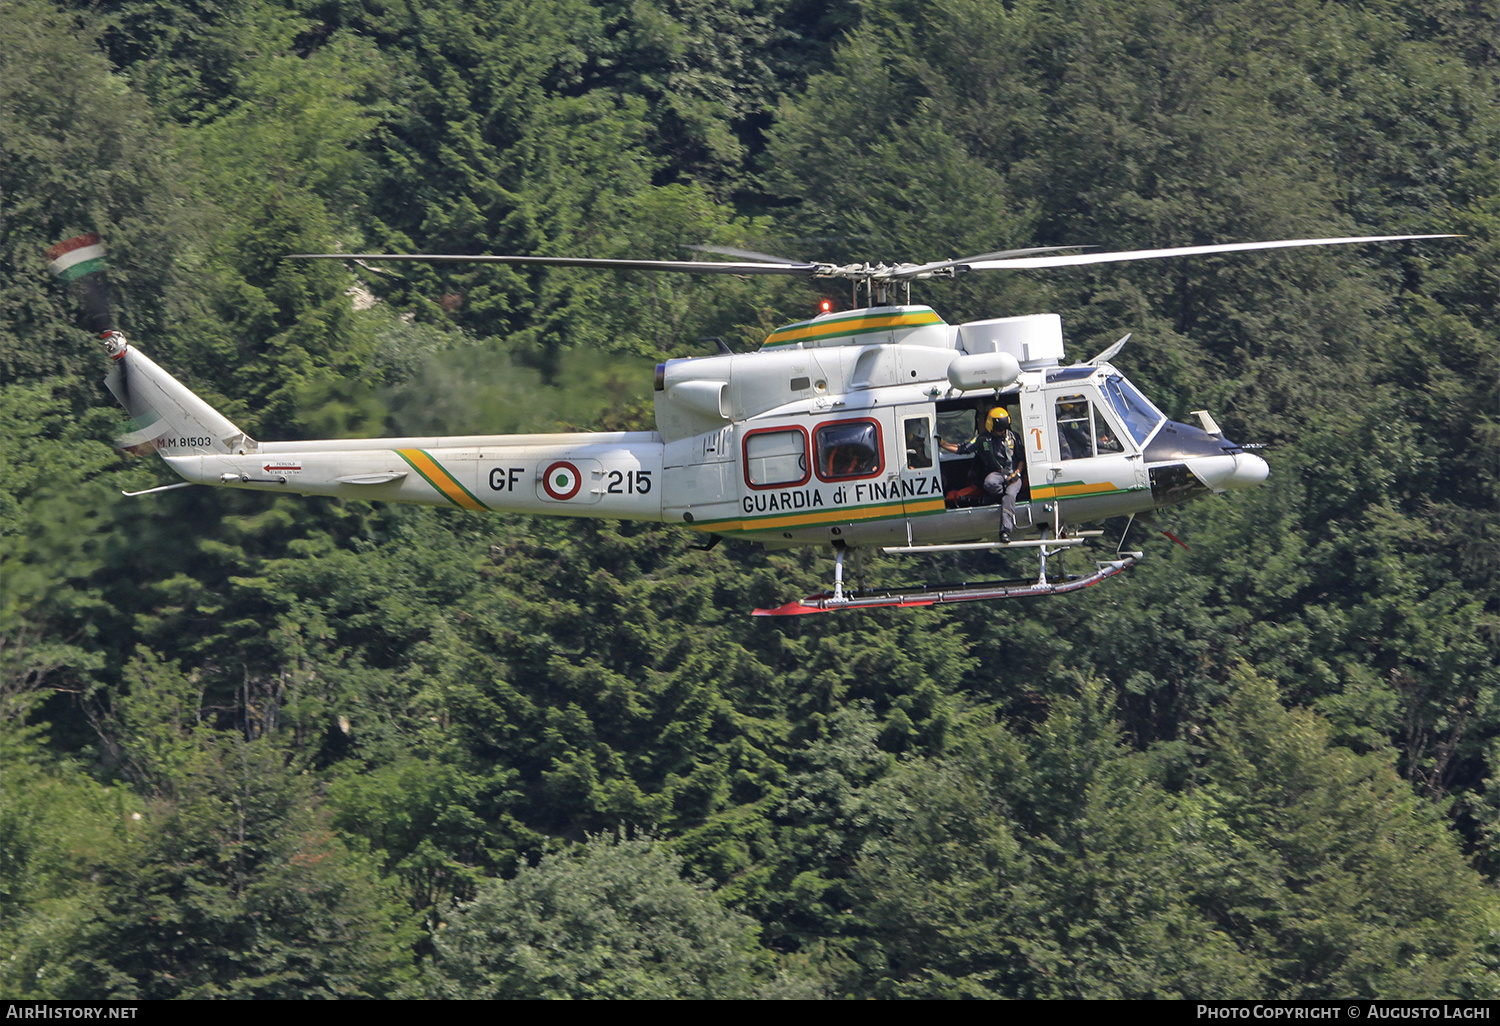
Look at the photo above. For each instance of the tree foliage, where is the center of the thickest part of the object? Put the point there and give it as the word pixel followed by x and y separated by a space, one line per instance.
pixel 609 919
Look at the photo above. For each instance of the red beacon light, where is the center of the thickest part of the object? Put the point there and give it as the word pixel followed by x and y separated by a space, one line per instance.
pixel 825 305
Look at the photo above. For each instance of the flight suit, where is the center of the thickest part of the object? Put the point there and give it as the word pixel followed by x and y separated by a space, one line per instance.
pixel 1000 457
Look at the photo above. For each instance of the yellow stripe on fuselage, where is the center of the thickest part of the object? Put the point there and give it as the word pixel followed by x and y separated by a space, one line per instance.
pixel 440 479
pixel 807 330
pixel 884 511
pixel 1077 490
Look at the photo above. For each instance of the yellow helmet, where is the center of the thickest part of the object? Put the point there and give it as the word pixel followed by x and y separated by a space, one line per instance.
pixel 997 418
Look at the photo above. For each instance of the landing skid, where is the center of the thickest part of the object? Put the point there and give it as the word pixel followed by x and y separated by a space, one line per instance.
pixel 938 594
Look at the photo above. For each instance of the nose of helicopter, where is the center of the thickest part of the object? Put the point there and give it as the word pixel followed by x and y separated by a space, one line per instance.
pixel 1249 471
pixel 1231 472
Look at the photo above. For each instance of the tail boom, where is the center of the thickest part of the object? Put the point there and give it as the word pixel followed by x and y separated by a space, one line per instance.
pixel 615 475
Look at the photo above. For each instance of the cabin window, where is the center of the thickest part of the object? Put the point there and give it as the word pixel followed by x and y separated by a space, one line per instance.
pixel 918 443
pixel 956 426
pixel 848 449
pixel 1082 431
pixel 776 457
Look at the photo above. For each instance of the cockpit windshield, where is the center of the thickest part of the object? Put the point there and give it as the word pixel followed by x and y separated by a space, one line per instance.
pixel 1135 410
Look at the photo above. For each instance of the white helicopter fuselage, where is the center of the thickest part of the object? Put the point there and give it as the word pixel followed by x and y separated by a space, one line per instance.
pixel 845 431
pixel 839 431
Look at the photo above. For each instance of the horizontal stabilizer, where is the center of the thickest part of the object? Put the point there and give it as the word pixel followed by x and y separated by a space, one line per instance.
pixel 372 479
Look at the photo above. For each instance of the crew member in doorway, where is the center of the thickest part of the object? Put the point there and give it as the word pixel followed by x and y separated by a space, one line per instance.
pixel 1000 457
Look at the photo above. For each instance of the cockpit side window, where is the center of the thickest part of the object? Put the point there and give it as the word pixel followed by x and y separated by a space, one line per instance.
pixel 1082 430
pixel 1075 435
pixel 1104 437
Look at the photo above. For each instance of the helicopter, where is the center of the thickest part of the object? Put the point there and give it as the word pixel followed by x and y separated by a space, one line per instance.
pixel 837 433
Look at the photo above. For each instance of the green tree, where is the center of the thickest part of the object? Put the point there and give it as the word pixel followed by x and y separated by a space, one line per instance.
pixel 608 919
pixel 57 825
pixel 1357 888
pixel 1051 866
pixel 235 886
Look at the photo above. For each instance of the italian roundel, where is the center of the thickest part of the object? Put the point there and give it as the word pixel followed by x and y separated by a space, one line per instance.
pixel 561 481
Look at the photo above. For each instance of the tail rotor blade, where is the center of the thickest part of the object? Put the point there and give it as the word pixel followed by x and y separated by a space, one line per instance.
pixel 94 297
pixel 80 262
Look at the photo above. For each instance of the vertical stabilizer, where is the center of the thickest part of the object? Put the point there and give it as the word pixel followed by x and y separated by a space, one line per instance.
pixel 169 418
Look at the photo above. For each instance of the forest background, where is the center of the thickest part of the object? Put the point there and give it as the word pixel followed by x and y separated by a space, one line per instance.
pixel 259 746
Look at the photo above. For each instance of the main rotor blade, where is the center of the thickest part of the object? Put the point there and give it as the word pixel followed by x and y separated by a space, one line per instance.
pixel 744 254
pixel 1030 263
pixel 969 261
pixel 766 264
pixel 686 266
